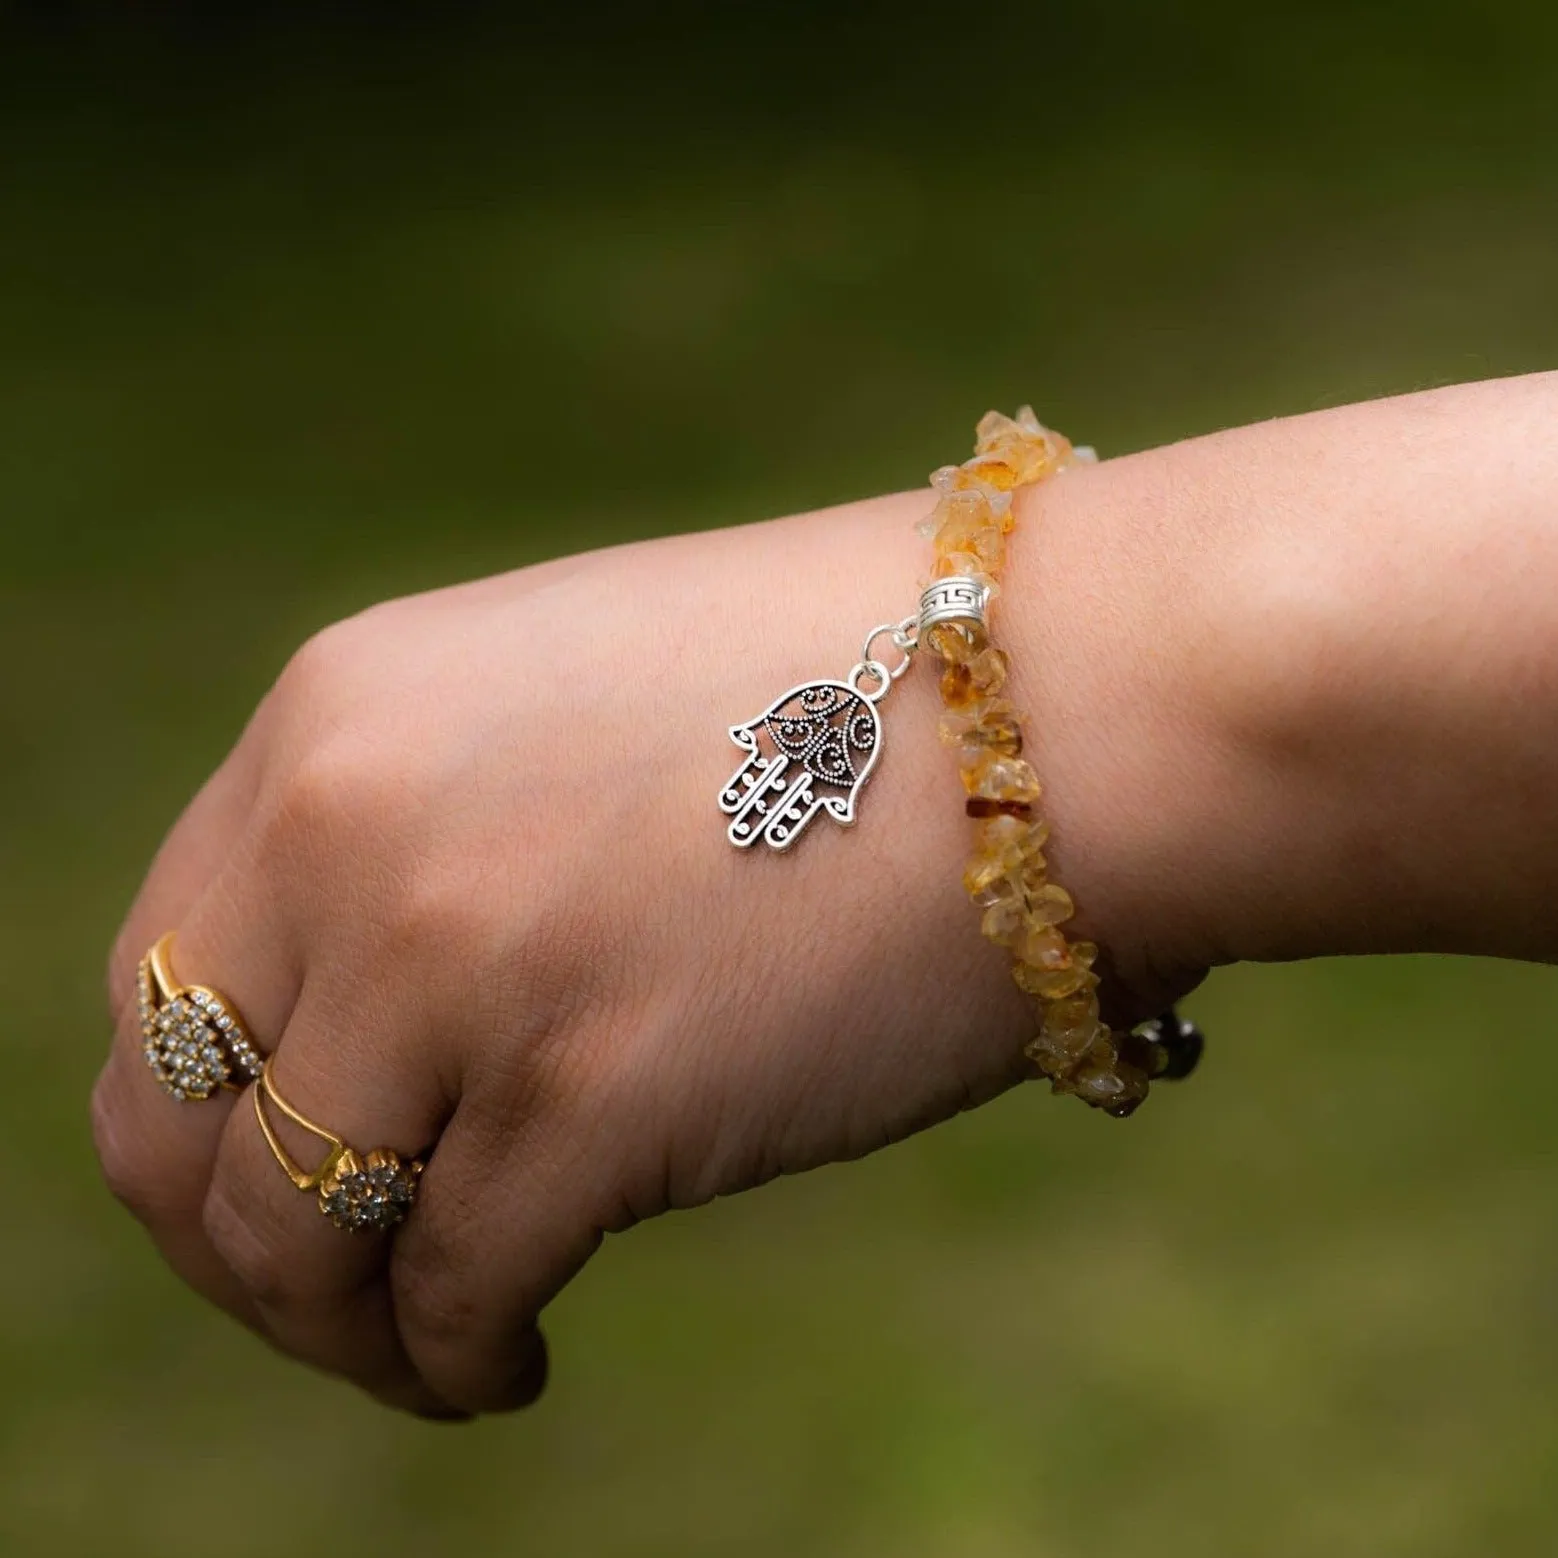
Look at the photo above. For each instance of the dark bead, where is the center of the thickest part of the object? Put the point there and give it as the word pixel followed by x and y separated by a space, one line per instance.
pixel 981 806
pixel 1179 1042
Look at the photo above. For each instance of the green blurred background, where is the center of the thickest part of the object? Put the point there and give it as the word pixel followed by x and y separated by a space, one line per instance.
pixel 294 315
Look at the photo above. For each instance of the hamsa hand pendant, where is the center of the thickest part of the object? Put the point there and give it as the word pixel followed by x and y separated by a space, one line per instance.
pixel 810 751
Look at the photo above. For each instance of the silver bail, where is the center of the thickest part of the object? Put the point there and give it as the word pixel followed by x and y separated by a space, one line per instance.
pixel 956 599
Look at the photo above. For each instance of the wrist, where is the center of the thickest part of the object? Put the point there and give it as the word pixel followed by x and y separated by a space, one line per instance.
pixel 1102 612
pixel 1101 722
pixel 877 910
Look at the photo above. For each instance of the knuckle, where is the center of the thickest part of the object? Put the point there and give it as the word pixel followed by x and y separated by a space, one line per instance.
pixel 256 1260
pixel 432 1299
pixel 439 914
pixel 320 717
pixel 325 786
pixel 478 1354
pixel 331 670
pixel 124 1161
pixel 323 667
pixel 330 793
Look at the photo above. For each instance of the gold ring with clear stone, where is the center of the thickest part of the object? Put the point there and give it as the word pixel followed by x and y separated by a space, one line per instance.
pixel 191 1035
pixel 361 1192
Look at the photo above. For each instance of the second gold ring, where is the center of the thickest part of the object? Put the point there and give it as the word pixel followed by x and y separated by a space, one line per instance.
pixel 362 1192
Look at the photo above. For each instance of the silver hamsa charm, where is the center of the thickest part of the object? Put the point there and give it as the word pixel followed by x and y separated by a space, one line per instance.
pixel 810 751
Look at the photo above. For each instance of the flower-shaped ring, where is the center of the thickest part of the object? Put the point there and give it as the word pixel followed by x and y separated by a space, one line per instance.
pixel 362 1192
pixel 191 1035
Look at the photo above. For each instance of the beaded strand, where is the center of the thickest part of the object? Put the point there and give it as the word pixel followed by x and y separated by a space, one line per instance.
pixel 1007 875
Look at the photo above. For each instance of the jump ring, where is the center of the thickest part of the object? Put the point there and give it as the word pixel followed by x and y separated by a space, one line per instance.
pixel 878 673
pixel 897 631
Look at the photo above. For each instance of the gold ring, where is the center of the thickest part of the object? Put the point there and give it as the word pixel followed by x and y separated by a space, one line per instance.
pixel 360 1192
pixel 191 1035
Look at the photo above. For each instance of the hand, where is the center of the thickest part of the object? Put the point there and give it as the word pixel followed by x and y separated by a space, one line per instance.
pixel 465 875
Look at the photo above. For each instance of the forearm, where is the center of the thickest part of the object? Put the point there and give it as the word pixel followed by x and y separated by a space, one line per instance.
pixel 1299 682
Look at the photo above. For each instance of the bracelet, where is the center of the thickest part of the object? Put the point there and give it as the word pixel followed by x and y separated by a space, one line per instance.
pixel 1007 875
pixel 813 749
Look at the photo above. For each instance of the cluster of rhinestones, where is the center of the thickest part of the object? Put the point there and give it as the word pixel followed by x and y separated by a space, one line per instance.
pixel 193 1043
pixel 371 1195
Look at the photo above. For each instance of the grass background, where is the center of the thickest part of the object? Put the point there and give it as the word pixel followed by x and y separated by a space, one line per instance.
pixel 297 314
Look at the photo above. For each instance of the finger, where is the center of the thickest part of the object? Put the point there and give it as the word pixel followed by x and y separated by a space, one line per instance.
pixel 190 857
pixel 155 1152
pixel 134 1126
pixel 322 1290
pixel 505 1216
pixel 158 1152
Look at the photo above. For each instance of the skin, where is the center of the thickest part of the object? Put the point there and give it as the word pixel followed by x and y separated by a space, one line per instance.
pixel 1293 690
